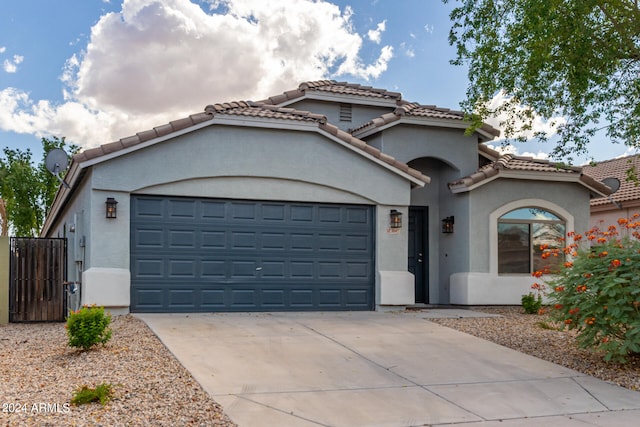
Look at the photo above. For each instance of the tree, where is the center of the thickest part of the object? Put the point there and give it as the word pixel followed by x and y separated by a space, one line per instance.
pixel 27 190
pixel 578 59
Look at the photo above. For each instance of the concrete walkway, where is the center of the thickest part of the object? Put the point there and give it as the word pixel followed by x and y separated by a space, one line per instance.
pixel 393 369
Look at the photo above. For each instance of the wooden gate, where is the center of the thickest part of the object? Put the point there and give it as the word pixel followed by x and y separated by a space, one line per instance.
pixel 37 272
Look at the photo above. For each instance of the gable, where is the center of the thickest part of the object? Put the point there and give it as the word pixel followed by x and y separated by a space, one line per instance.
pixel 261 118
pixel 510 166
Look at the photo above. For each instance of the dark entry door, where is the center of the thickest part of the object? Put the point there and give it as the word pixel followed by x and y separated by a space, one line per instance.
pixel 418 264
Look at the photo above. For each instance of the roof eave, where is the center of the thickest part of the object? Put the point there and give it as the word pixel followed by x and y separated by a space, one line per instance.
pixel 341 98
pixel 592 185
pixel 485 134
pixel 62 195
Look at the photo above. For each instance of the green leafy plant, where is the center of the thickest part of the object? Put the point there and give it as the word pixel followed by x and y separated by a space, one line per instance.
pixel 532 302
pixel 88 326
pixel 598 293
pixel 101 393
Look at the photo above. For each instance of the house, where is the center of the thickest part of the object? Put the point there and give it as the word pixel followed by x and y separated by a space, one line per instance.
pixel 623 203
pixel 332 196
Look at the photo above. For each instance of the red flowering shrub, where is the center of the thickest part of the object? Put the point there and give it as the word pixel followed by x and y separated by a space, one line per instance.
pixel 597 293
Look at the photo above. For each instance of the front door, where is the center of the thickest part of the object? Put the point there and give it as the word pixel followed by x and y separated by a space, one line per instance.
pixel 418 264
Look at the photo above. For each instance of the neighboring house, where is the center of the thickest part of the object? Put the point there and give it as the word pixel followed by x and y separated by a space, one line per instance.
pixel 625 202
pixel 332 196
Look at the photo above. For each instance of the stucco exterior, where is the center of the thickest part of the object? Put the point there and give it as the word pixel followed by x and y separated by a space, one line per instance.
pixel 392 155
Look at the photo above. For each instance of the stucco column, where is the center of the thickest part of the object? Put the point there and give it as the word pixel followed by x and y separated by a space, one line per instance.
pixel 394 285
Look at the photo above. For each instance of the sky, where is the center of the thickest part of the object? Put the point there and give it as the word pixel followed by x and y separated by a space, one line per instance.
pixel 95 71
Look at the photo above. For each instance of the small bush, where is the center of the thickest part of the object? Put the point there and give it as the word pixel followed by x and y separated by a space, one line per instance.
pixel 531 303
pixel 83 395
pixel 597 293
pixel 88 326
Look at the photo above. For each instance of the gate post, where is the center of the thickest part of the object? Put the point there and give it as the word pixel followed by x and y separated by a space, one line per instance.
pixel 4 280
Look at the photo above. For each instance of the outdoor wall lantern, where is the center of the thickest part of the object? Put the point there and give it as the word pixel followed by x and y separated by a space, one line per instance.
pixel 395 219
pixel 111 210
pixel 447 225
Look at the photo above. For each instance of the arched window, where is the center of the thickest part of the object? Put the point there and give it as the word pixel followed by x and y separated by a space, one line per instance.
pixel 521 232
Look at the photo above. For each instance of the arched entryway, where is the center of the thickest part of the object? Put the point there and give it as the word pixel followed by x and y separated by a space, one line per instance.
pixel 428 204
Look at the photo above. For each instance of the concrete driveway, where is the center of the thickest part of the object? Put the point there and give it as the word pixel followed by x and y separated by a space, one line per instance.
pixel 369 369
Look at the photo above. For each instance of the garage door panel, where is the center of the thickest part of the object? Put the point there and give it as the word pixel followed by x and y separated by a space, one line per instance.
pixel 223 255
pixel 213 299
pixel 357 216
pixel 213 210
pixel 213 269
pixel 301 214
pixel 213 239
pixel 182 239
pixel 329 214
pixel 144 267
pixel 148 208
pixel 274 213
pixel 181 209
pixel 181 269
pixel 243 211
pixel 149 237
pixel 181 298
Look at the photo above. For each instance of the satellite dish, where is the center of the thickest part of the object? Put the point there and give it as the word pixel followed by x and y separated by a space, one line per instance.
pixel 56 162
pixel 612 183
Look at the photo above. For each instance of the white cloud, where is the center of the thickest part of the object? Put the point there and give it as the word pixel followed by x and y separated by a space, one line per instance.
pixel 630 151
pixel 512 149
pixel 158 60
pixel 375 35
pixel 11 65
pixel 429 28
pixel 3 49
pixel 538 125
pixel 408 50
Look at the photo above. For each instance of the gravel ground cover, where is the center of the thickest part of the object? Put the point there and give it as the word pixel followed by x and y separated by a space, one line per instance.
pixel 526 333
pixel 39 373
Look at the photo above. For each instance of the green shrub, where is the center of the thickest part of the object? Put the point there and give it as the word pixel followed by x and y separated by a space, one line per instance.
pixel 83 395
pixel 531 303
pixel 598 292
pixel 88 326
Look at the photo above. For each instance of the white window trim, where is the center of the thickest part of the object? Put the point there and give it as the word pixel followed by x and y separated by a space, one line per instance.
pixel 523 203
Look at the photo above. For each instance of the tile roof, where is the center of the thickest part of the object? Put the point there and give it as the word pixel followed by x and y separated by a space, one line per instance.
pixel 410 109
pixel 629 191
pixel 332 86
pixel 509 162
pixel 247 109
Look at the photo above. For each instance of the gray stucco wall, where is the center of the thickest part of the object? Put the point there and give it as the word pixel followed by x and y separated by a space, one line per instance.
pixel 409 142
pixel 360 114
pixel 242 163
pixel 483 200
pixel 232 152
pixel 74 224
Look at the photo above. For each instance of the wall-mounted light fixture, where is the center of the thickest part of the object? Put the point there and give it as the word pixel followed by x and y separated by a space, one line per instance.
pixel 111 210
pixel 447 224
pixel 395 219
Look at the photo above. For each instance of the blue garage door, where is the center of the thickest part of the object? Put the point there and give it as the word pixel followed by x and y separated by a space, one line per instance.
pixel 190 255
